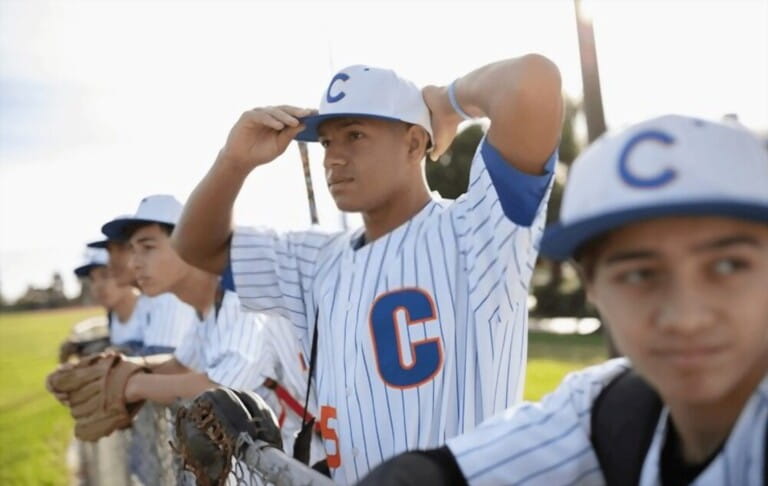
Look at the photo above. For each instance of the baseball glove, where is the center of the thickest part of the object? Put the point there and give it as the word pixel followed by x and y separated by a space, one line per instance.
pixel 95 390
pixel 207 431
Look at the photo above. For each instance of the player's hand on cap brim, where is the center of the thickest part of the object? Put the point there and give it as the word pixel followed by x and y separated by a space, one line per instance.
pixel 262 134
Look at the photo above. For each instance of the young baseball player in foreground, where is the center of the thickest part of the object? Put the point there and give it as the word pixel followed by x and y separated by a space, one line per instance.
pixel 420 317
pixel 668 224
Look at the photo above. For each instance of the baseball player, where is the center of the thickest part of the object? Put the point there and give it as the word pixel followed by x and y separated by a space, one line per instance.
pixel 165 319
pixel 668 224
pixel 420 317
pixel 119 300
pixel 226 346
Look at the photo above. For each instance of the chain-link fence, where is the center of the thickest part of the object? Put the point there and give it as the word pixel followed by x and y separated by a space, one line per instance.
pixel 144 456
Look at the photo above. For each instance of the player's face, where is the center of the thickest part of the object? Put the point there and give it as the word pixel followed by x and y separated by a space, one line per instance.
pixel 104 288
pixel 119 254
pixel 156 264
pixel 686 299
pixel 367 162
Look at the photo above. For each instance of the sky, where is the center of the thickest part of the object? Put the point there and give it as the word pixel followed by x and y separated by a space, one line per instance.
pixel 105 102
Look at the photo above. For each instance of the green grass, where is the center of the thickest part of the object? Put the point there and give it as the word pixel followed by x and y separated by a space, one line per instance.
pixel 34 428
pixel 552 356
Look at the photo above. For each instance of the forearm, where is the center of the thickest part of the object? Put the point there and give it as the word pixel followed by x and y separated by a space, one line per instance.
pixel 202 235
pixel 159 363
pixel 165 389
pixel 522 97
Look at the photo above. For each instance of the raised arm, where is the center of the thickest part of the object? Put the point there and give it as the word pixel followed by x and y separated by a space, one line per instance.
pixel 521 96
pixel 259 136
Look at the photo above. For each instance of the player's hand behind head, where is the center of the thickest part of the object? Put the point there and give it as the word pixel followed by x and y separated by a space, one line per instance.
pixel 444 119
pixel 261 135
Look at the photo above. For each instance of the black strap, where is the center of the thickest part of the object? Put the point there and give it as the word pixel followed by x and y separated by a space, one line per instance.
pixel 624 418
pixel 765 454
pixel 302 445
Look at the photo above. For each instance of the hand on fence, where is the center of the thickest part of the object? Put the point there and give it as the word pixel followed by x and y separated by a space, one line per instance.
pixel 208 429
pixel 94 389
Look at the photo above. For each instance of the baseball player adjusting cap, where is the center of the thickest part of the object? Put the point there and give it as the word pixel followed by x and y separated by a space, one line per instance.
pixel 94 257
pixel 369 92
pixel 667 166
pixel 159 208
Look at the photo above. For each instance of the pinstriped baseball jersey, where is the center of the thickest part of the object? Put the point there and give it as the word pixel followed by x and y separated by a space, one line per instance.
pixel 129 331
pixel 226 345
pixel 422 333
pixel 168 321
pixel 549 443
pixel 284 363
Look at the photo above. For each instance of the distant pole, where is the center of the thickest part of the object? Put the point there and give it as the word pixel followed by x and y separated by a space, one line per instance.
pixel 590 77
pixel 593 105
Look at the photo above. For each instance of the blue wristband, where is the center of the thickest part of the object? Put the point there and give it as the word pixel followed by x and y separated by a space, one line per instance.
pixel 455 103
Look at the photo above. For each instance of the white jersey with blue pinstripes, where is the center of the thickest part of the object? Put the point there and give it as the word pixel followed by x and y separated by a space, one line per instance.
pixel 423 332
pixel 284 363
pixel 226 345
pixel 168 321
pixel 549 443
pixel 130 331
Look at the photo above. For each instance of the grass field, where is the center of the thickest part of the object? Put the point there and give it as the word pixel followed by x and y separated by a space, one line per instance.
pixel 35 429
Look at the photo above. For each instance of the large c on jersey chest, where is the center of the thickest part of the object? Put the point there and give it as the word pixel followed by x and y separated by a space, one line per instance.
pixel 390 314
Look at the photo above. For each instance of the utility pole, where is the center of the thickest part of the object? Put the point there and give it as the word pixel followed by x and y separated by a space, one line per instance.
pixel 590 77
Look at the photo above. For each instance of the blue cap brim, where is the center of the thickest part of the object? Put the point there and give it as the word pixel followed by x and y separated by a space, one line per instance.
pixel 562 241
pixel 98 244
pixel 312 122
pixel 85 270
pixel 115 229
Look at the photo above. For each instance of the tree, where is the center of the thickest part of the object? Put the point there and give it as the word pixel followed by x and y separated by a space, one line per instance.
pixel 450 175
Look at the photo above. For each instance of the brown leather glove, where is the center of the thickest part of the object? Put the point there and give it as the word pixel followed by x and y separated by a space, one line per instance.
pixel 96 394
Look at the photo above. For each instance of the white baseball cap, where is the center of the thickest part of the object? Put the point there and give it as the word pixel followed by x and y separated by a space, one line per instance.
pixel 94 257
pixel 159 208
pixel 364 91
pixel 667 166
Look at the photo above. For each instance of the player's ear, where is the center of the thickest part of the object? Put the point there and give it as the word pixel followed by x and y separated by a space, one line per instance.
pixel 418 142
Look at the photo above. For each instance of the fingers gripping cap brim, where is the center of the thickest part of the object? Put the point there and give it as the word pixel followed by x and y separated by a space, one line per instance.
pixel 313 122
pixel 563 241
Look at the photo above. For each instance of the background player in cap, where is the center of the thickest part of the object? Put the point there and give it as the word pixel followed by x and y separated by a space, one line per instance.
pixel 120 300
pixel 226 346
pixel 165 319
pixel 96 334
pixel 668 223
pixel 421 315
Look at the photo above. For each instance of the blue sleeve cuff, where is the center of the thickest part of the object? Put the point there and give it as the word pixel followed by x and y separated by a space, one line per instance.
pixel 520 194
pixel 227 277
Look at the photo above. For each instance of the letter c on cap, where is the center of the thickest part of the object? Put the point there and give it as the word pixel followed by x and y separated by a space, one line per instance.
pixel 664 177
pixel 337 97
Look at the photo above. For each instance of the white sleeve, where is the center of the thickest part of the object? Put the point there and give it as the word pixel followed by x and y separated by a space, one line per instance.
pixel 499 222
pixel 539 443
pixel 238 338
pixel 274 272
pixel 188 352
pixel 168 322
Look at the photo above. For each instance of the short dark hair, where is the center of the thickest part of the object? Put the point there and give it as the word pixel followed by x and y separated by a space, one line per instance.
pixel 132 228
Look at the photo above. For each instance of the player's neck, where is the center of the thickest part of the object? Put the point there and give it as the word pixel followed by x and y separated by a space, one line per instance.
pixel 198 289
pixel 124 307
pixel 703 428
pixel 399 209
